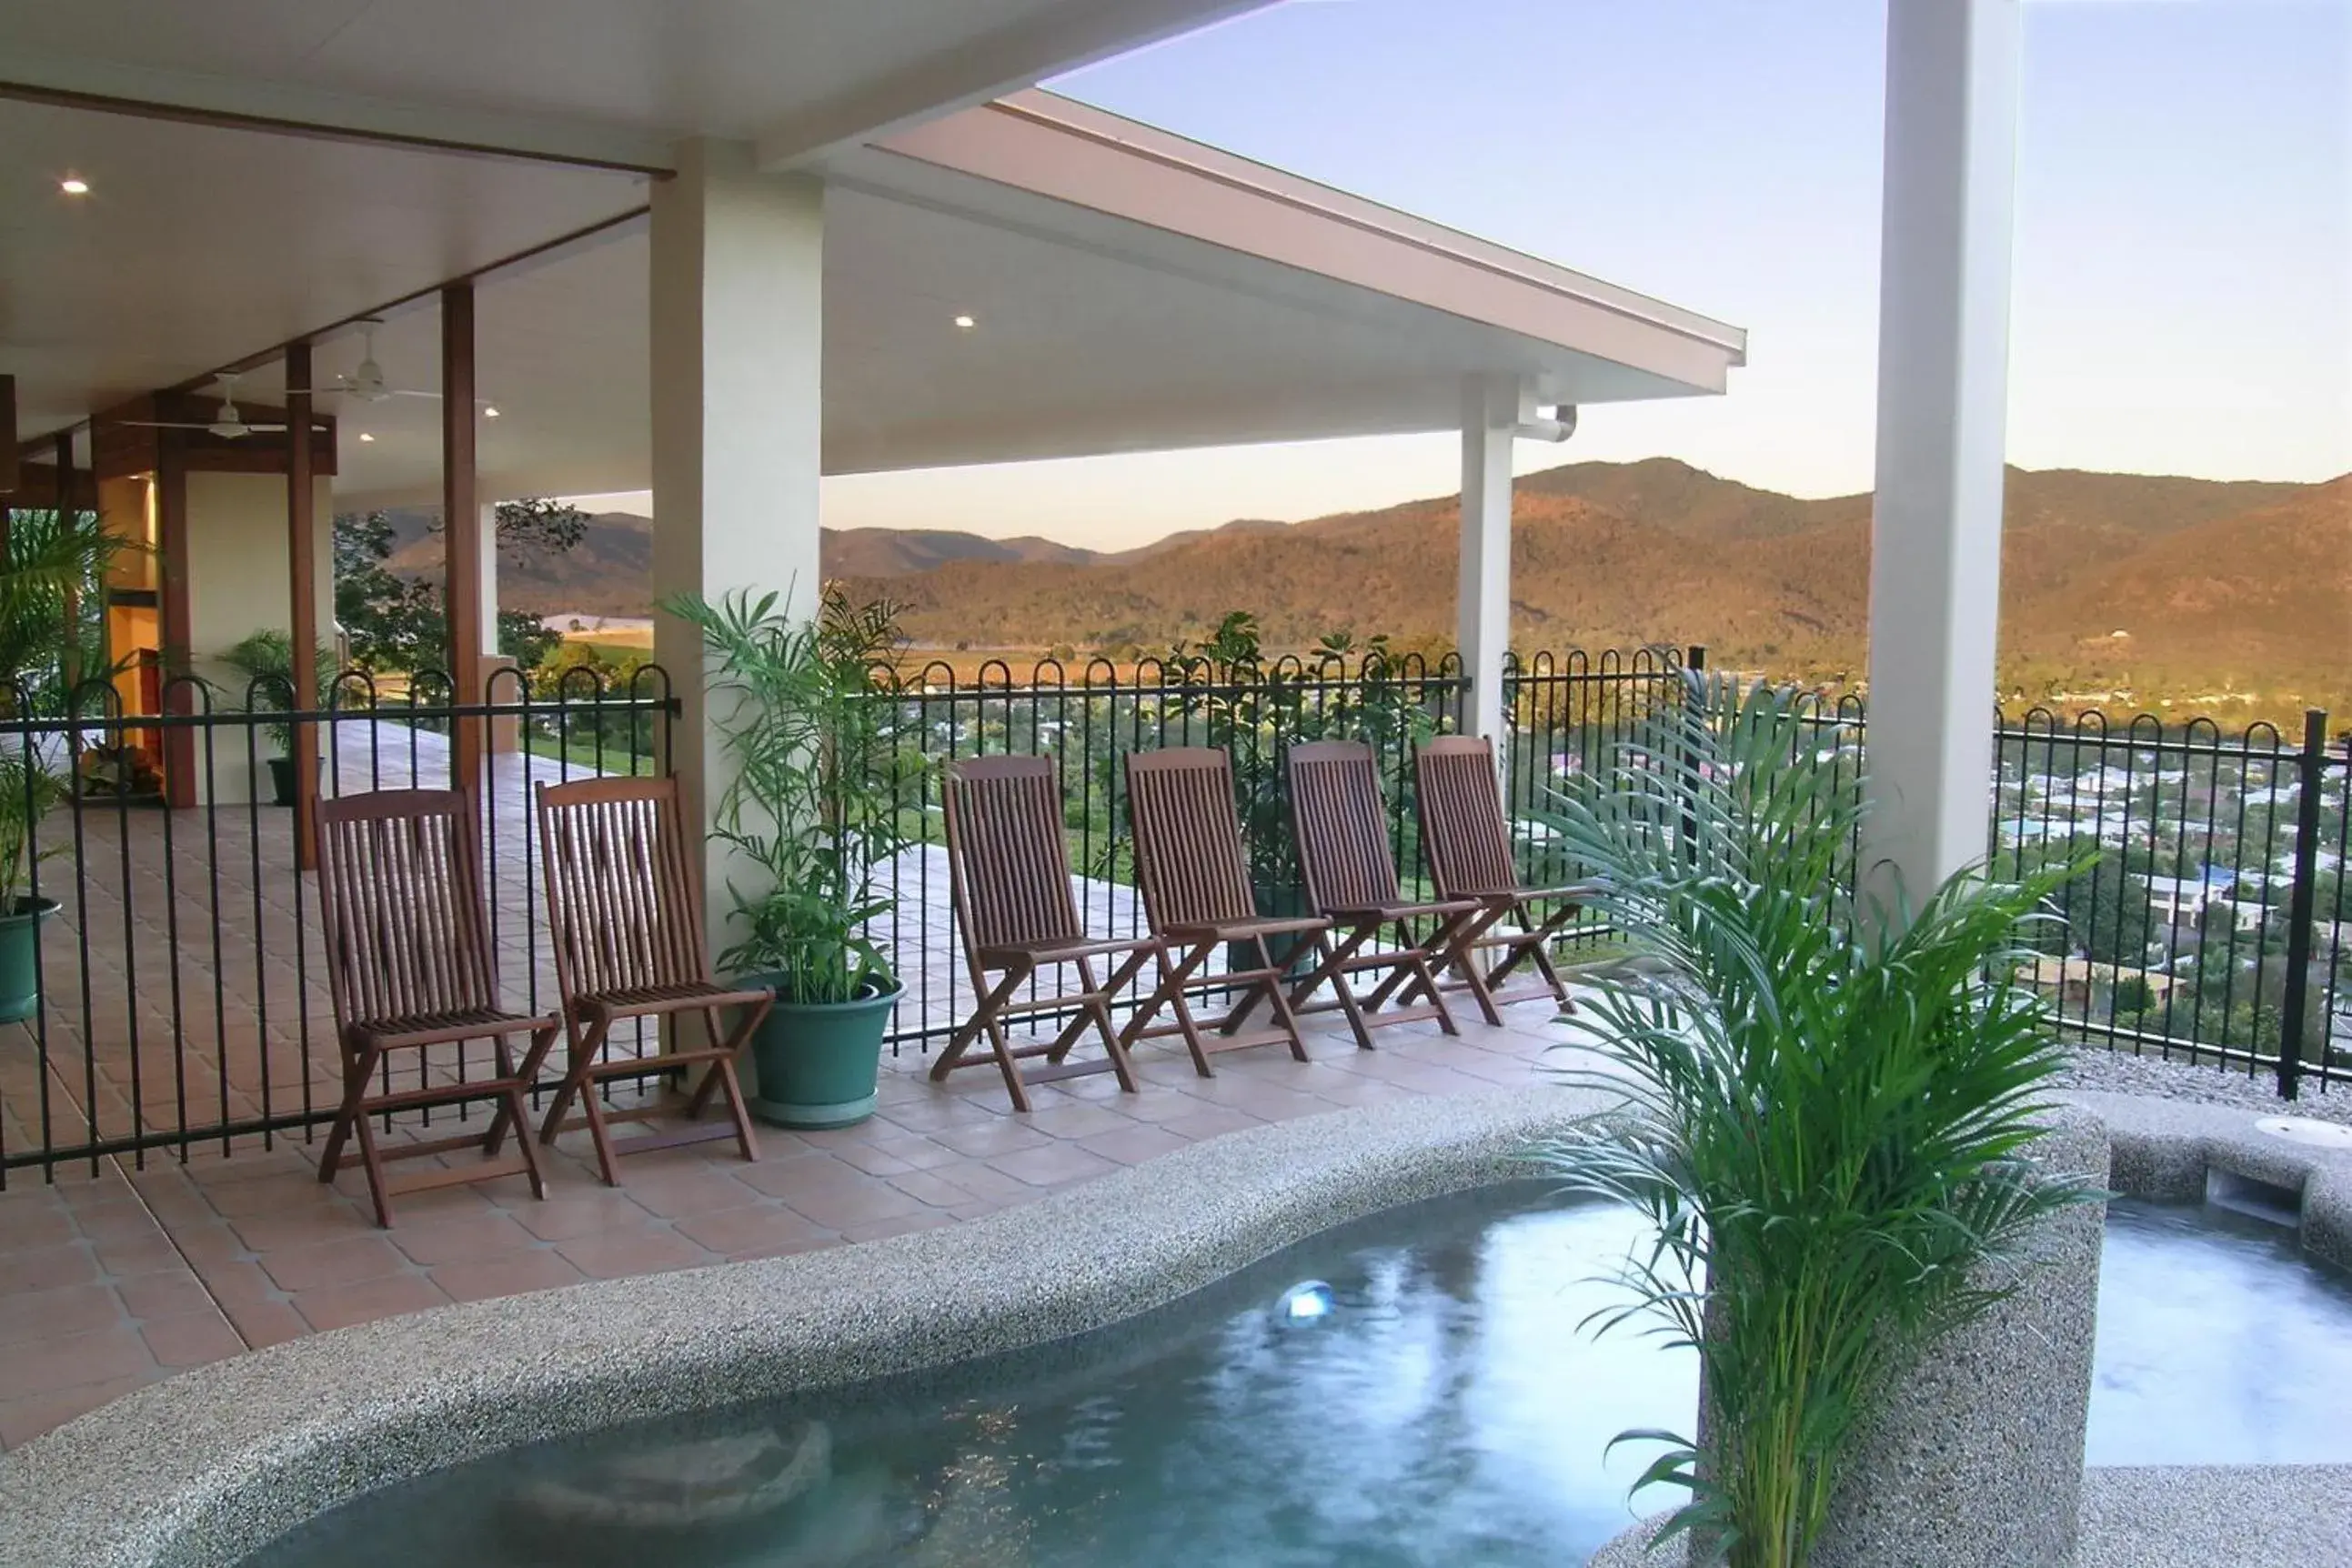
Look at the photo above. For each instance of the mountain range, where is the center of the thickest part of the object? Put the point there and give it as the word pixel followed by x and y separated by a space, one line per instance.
pixel 2120 588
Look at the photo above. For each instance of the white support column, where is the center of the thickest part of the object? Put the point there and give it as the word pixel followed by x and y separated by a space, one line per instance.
pixel 489 573
pixel 1952 69
pixel 1490 416
pixel 737 283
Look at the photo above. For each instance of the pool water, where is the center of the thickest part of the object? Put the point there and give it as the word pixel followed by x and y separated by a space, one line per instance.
pixel 1447 1408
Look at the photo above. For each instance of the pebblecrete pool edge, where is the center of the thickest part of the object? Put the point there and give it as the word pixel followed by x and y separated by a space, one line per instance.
pixel 203 1468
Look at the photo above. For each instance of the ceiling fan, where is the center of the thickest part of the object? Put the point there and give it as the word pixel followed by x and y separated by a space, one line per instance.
pixel 228 423
pixel 365 381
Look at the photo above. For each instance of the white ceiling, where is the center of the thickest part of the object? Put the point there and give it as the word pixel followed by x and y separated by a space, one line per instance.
pixel 200 245
pixel 795 74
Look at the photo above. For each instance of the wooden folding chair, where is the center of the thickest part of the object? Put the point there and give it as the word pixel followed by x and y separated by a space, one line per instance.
pixel 1009 879
pixel 626 911
pixel 408 964
pixel 1341 829
pixel 1469 848
pixel 1196 898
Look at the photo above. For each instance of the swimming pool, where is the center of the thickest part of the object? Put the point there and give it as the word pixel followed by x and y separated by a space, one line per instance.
pixel 1438 1405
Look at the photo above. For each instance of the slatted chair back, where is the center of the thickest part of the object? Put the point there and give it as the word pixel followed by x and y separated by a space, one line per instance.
pixel 1009 865
pixel 400 888
pixel 622 906
pixel 1462 825
pixel 1342 826
pixel 1188 838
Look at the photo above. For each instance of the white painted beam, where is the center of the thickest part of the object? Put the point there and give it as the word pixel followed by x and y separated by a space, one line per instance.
pixel 277 105
pixel 737 274
pixel 1062 38
pixel 1952 69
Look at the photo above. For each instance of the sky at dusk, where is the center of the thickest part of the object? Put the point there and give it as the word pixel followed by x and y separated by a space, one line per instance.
pixel 2183 283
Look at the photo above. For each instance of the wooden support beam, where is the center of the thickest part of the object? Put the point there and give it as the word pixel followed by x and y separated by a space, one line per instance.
pixel 461 526
pixel 7 435
pixel 68 499
pixel 177 744
pixel 302 594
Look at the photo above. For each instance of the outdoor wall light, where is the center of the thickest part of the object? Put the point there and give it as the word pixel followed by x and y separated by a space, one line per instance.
pixel 965 323
pixel 365 436
pixel 74 185
pixel 490 414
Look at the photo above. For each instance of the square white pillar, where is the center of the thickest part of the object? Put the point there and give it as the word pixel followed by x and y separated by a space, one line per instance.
pixel 1490 416
pixel 737 298
pixel 488 535
pixel 1952 69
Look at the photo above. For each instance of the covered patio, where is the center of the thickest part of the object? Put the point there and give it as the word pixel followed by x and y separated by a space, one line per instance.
pixel 724 285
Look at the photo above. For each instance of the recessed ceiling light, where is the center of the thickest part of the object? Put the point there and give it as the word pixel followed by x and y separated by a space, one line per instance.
pixel 965 323
pixel 74 185
pixel 365 436
pixel 490 414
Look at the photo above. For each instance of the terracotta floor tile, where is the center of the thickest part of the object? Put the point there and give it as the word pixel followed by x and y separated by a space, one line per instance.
pixel 1077 1121
pixel 164 1295
pixel 45 1365
pixel 617 1253
pixel 1052 1166
pixel 1133 1145
pixel 48 1268
pixel 460 1238
pixel 344 1262
pixel 25 1418
pixel 481 1279
pixel 261 1323
pixel 340 1306
pixel 937 1188
pixel 739 1230
pixel 236 1279
pixel 1209 1121
pixel 929 1219
pixel 276 1231
pixel 53 1314
pixel 988 1139
pixel 192 1339
pixel 811 1173
pixel 142 1255
pixel 840 1209
pixel 691 1192
pixel 560 1219
pixel 32 1219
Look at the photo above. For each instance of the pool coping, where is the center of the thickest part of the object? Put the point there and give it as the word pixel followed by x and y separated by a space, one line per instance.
pixel 206 1467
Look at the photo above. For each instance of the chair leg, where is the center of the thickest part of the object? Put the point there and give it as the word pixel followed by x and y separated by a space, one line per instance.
pixel 373 1160
pixel 1007 1064
pixel 732 1087
pixel 1331 969
pixel 358 1067
pixel 1286 1018
pixel 1173 979
pixel 510 1104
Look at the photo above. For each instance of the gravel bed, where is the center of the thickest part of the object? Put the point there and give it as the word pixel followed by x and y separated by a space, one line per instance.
pixel 2120 1072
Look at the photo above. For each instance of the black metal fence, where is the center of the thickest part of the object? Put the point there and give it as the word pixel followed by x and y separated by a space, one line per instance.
pixel 2213 924
pixel 182 996
pixel 184 1002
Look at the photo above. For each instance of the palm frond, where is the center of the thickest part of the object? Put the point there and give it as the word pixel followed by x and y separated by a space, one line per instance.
pixel 1837 1101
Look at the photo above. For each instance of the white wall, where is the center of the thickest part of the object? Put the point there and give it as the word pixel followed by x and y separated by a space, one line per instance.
pixel 237 569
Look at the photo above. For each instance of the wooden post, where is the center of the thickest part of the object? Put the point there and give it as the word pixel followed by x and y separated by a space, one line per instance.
pixel 177 744
pixel 8 469
pixel 70 660
pixel 461 525
pixel 302 594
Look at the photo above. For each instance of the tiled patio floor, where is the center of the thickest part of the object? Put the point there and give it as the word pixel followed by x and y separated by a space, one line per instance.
pixel 111 1281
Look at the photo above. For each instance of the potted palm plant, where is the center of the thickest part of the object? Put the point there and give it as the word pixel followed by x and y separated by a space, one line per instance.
pixel 27 790
pixel 812 812
pixel 266 659
pixel 1831 1101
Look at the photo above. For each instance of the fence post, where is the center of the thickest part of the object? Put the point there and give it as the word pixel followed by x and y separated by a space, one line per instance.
pixel 1695 662
pixel 2300 915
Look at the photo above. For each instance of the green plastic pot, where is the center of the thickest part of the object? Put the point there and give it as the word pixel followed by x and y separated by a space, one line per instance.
pixel 20 958
pixel 281 780
pixel 818 1062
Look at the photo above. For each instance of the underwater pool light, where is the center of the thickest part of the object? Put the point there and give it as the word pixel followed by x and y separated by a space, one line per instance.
pixel 1308 1301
